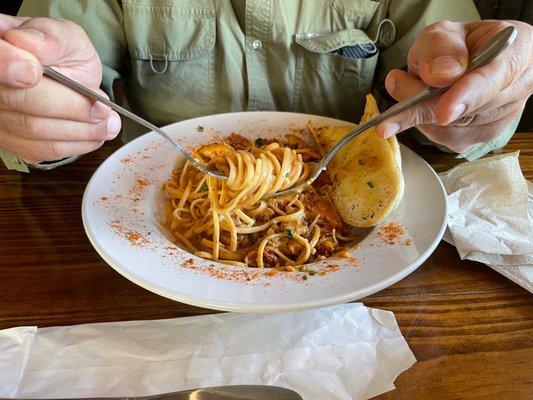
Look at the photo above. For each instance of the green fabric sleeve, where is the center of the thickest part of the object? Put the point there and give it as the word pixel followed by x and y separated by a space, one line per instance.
pixel 12 162
pixel 480 149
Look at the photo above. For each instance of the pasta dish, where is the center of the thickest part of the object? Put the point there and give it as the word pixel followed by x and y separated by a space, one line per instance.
pixel 230 222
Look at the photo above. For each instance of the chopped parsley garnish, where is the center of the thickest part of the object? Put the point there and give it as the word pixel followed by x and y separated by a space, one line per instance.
pixel 304 278
pixel 312 272
pixel 259 142
pixel 370 184
pixel 204 187
pixel 288 233
pixel 200 128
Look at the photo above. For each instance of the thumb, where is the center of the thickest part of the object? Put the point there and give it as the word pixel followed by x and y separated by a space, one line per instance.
pixel 57 43
pixel 439 55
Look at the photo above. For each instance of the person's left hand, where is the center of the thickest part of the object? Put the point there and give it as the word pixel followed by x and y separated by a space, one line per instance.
pixel 494 95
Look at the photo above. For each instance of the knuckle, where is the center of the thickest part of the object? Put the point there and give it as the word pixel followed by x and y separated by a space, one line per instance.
pixel 73 28
pixel 487 83
pixel 70 104
pixel 76 107
pixel 9 99
pixel 97 131
pixel 29 124
pixel 416 117
pixel 439 26
pixel 412 61
pixel 422 115
pixel 513 67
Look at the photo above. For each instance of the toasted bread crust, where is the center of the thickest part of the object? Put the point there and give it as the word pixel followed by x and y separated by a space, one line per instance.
pixel 367 178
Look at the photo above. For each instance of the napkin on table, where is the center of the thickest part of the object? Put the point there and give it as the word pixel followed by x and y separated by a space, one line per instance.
pixel 490 208
pixel 343 352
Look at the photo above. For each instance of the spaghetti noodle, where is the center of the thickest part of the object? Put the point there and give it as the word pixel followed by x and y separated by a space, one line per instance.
pixel 229 221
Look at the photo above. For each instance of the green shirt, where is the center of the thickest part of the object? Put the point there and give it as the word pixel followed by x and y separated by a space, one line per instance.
pixel 183 59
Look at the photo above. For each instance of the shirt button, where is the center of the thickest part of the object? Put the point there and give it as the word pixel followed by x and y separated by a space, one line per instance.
pixel 256 45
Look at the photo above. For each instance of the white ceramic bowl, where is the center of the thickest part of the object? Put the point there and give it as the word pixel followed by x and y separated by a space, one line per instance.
pixel 121 217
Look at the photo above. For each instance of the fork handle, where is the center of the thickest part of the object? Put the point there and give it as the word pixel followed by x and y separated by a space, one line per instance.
pixel 51 73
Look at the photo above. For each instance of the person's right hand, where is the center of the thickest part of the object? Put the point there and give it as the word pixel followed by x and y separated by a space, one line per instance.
pixel 40 119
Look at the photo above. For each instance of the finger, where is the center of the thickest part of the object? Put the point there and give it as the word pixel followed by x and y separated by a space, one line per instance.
pixel 439 55
pixel 459 139
pixel 400 86
pixel 521 89
pixel 18 68
pixel 8 22
pixel 53 100
pixel 482 85
pixel 59 43
pixel 35 151
pixel 38 128
pixel 492 115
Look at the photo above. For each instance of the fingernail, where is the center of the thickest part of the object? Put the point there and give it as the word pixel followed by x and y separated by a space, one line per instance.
pixel 99 111
pixel 33 32
pixel 23 72
pixel 444 65
pixel 391 129
pixel 113 126
pixel 390 84
pixel 457 111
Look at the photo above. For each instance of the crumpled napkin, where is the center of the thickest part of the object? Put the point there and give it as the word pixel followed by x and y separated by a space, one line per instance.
pixel 343 352
pixel 490 208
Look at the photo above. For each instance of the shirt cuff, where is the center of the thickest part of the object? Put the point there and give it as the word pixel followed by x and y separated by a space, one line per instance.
pixel 480 149
pixel 12 162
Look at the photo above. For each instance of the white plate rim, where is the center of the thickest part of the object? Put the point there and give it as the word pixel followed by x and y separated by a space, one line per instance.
pixel 263 308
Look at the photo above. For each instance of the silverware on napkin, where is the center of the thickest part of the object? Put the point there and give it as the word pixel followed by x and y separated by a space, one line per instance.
pixel 237 392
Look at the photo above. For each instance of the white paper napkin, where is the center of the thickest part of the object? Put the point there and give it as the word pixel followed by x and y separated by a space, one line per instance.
pixel 343 352
pixel 490 209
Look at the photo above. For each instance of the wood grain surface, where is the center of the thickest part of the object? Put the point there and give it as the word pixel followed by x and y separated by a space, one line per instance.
pixel 470 328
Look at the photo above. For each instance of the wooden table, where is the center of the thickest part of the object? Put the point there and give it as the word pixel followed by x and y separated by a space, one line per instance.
pixel 470 328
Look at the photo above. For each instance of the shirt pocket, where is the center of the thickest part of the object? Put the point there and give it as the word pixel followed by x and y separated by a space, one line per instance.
pixel 331 84
pixel 354 13
pixel 171 52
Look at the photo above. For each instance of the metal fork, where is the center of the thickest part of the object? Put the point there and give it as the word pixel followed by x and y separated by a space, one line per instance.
pixel 51 73
pixel 485 54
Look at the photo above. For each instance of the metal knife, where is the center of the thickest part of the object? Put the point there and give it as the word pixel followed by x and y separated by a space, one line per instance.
pixel 237 392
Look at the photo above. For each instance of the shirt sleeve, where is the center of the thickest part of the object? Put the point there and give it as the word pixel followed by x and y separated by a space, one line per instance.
pixel 102 20
pixel 480 149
